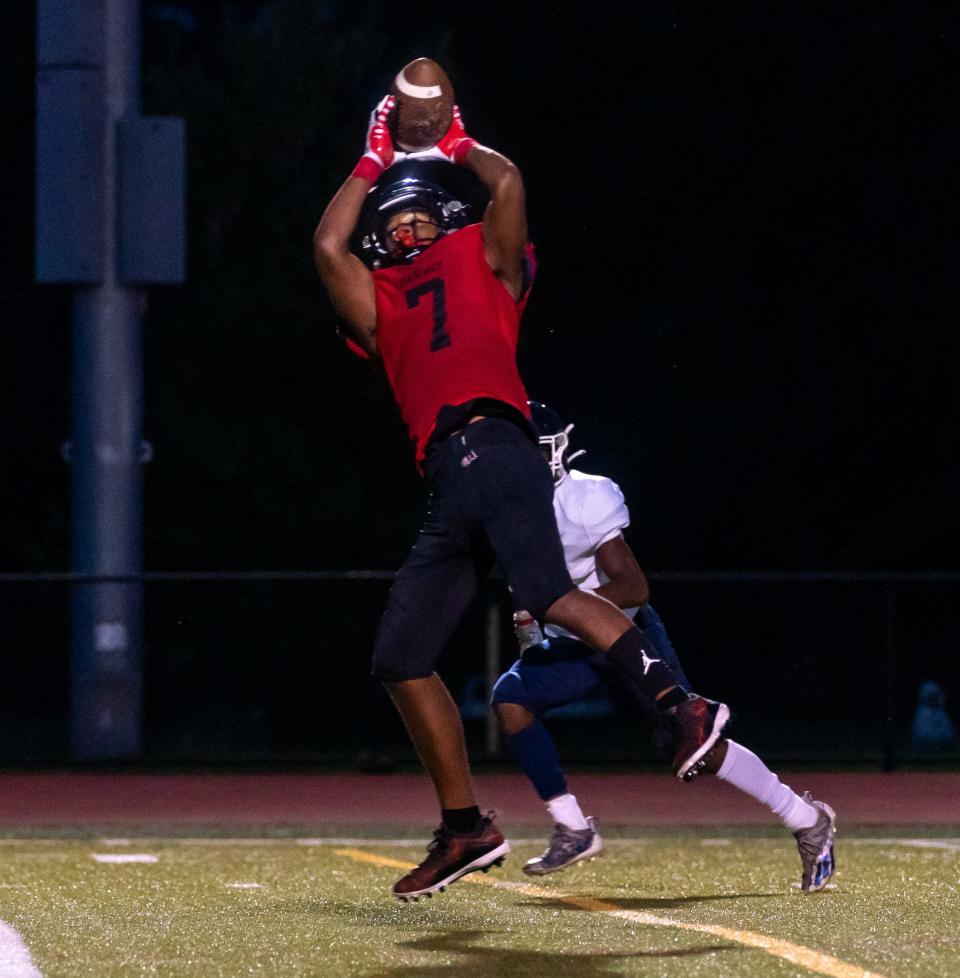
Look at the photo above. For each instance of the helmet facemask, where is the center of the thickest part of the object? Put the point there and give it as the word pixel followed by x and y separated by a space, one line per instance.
pixel 554 448
pixel 554 439
pixel 408 232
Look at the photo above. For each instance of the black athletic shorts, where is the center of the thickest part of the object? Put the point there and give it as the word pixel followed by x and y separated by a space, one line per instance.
pixel 491 498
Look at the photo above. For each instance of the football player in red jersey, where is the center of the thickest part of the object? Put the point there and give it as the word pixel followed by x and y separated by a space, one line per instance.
pixel 438 302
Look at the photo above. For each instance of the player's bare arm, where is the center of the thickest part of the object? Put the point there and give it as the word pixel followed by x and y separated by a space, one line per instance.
pixel 627 587
pixel 348 282
pixel 505 220
pixel 347 279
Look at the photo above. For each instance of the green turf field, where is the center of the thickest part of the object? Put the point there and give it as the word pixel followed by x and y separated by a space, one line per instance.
pixel 663 904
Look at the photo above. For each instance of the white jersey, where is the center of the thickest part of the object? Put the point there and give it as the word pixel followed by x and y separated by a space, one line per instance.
pixel 590 510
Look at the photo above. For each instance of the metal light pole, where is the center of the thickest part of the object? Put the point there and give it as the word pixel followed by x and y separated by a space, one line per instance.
pixel 110 206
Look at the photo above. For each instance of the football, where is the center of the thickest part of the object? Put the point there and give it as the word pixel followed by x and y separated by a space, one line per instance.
pixel 424 107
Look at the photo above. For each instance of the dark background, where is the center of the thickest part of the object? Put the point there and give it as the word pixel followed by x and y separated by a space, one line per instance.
pixel 747 301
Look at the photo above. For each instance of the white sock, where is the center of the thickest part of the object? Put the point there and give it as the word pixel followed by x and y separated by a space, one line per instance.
pixel 744 770
pixel 565 810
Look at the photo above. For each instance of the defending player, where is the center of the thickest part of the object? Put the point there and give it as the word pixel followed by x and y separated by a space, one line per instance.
pixel 440 306
pixel 591 516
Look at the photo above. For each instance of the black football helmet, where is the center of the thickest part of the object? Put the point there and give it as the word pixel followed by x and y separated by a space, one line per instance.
pixel 447 192
pixel 554 439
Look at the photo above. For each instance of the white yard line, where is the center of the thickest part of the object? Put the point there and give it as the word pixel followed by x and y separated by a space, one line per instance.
pixel 346 841
pixel 15 960
pixel 205 840
pixel 417 841
pixel 536 840
pixel 952 844
pixel 127 857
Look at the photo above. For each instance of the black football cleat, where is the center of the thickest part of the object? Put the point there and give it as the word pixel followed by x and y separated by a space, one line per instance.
pixel 698 724
pixel 451 856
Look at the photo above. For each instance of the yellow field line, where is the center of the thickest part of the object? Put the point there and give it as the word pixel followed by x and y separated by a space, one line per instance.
pixel 805 957
pixel 370 857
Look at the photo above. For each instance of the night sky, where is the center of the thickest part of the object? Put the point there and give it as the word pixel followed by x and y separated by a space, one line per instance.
pixel 747 299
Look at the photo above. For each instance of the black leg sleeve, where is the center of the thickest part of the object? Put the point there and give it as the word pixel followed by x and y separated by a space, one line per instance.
pixel 632 656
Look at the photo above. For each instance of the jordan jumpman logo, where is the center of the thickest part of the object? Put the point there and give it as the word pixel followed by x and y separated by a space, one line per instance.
pixel 647 661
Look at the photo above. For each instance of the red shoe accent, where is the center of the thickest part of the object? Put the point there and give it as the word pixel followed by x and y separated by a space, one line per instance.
pixel 698 724
pixel 451 856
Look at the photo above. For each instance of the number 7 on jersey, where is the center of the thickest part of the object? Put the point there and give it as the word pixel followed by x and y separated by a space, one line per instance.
pixel 440 337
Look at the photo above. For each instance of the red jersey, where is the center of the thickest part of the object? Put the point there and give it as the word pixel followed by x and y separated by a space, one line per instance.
pixel 447 332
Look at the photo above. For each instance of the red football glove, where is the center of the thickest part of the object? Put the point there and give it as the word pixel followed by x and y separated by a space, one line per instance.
pixel 379 145
pixel 454 144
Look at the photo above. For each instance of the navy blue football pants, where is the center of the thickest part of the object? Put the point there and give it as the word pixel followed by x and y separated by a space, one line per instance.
pixel 570 671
